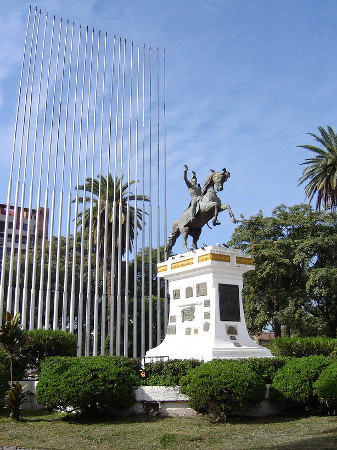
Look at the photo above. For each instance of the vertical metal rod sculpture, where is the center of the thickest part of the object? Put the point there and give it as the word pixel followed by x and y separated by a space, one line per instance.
pixel 30 207
pixel 10 181
pixel 21 163
pixel 87 151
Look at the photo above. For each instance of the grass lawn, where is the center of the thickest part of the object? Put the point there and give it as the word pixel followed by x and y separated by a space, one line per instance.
pixel 43 430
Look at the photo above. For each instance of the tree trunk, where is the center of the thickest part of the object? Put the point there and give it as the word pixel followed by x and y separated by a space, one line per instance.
pixel 277 328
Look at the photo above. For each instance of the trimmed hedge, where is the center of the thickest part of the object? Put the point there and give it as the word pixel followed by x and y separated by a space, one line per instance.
pixel 325 387
pixel 293 383
pixel 306 346
pixel 265 367
pixel 87 384
pixel 168 373
pixel 218 388
pixel 43 343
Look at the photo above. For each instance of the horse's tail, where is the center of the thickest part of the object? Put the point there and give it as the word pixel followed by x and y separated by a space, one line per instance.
pixel 175 232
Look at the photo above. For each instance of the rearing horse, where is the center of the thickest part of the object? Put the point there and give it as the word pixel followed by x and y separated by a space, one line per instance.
pixel 208 208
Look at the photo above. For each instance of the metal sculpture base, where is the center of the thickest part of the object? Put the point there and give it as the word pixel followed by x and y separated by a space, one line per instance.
pixel 206 319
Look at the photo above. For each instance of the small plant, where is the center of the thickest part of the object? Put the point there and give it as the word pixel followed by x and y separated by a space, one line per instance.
pixel 218 388
pixel 14 399
pixel 12 339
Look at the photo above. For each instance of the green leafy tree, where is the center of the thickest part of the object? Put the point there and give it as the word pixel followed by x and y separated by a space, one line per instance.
pixel 292 251
pixel 320 172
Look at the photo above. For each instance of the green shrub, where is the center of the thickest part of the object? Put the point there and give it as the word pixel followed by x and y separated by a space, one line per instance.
pixel 300 347
pixel 43 343
pixel 19 364
pixel 325 387
pixel 88 384
pixel 293 383
pixel 4 380
pixel 168 373
pixel 219 387
pixel 265 367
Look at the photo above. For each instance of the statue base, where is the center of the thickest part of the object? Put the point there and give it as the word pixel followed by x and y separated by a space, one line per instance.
pixel 206 319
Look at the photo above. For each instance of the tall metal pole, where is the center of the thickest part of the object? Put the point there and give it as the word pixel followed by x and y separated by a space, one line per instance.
pixel 18 183
pixel 10 182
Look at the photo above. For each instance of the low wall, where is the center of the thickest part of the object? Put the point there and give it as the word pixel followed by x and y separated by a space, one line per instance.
pixel 165 401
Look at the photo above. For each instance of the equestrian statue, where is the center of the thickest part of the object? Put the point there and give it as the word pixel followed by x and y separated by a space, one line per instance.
pixel 204 206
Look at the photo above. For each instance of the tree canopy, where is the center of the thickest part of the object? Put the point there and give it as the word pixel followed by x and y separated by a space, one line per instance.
pixel 294 282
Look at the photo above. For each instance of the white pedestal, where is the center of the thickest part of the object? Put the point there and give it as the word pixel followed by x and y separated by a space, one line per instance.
pixel 206 319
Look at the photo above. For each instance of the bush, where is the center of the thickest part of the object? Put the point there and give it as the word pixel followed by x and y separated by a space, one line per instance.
pixel 300 347
pixel 19 364
pixel 4 380
pixel 43 343
pixel 168 373
pixel 219 387
pixel 265 367
pixel 293 383
pixel 88 384
pixel 325 387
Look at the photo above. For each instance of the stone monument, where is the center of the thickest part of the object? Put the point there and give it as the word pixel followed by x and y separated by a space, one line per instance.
pixel 206 317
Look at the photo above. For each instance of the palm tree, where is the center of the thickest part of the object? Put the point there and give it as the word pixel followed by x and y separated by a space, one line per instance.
pixel 109 208
pixel 321 171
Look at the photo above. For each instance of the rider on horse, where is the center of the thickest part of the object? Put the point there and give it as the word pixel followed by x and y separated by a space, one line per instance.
pixel 194 190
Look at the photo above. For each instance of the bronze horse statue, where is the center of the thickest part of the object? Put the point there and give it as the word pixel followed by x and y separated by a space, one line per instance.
pixel 208 207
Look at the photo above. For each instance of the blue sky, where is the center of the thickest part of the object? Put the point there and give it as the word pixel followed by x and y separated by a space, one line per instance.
pixel 246 80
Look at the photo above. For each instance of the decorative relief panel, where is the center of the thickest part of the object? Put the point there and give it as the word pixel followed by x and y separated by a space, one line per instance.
pixel 188 331
pixel 207 303
pixel 201 289
pixel 173 319
pixel 207 315
pixel 176 294
pixel 171 329
pixel 196 331
pixel 189 292
pixel 206 326
pixel 187 314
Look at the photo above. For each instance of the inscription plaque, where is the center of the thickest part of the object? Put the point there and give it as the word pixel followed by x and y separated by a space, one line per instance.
pixel 229 303
pixel 189 292
pixel 176 294
pixel 231 329
pixel 201 289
